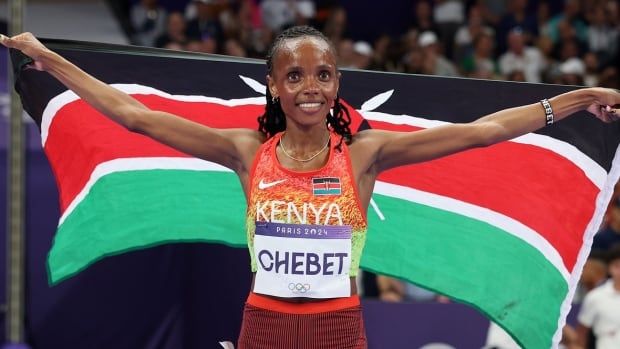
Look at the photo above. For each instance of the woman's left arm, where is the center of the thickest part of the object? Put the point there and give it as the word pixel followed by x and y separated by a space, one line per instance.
pixel 401 148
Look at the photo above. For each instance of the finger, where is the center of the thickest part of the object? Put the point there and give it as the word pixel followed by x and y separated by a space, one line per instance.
pixel 9 42
pixel 4 40
pixel 609 114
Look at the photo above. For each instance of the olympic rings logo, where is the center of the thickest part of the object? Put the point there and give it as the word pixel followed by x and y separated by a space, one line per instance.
pixel 299 287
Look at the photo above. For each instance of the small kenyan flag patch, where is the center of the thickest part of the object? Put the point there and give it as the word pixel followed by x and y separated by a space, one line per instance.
pixel 326 186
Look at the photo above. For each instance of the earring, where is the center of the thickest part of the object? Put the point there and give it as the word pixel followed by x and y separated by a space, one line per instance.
pixel 275 100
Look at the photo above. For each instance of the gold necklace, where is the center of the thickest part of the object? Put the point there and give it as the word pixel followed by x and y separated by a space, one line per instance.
pixel 302 160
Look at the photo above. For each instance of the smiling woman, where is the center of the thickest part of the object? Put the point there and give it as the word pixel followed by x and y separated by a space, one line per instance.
pixel 307 180
pixel 306 83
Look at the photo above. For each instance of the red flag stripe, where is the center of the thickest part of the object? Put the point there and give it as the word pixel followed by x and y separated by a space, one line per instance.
pixel 547 183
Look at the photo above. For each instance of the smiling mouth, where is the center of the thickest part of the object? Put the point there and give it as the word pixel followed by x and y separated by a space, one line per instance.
pixel 310 105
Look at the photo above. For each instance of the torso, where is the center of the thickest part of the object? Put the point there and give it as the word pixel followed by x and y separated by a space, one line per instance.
pixel 301 173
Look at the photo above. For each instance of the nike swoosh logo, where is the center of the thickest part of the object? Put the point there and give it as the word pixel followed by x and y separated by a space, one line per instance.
pixel 262 185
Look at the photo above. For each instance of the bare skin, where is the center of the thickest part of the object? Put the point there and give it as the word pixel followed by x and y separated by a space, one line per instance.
pixel 306 80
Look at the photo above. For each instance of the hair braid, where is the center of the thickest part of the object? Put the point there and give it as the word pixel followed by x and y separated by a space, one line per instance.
pixel 339 121
pixel 274 119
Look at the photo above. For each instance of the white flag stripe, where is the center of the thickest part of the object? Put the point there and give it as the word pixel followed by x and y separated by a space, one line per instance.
pixel 137 164
pixel 602 201
pixel 376 101
pixel 377 210
pixel 591 169
pixel 483 214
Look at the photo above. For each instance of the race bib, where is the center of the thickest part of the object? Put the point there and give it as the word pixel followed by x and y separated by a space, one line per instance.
pixel 302 260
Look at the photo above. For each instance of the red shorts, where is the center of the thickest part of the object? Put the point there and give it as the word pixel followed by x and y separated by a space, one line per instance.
pixel 273 324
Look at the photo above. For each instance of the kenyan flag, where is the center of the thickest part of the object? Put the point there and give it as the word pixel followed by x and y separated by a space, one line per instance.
pixel 505 228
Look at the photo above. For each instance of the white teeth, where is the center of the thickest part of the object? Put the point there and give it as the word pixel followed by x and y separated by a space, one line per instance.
pixel 310 105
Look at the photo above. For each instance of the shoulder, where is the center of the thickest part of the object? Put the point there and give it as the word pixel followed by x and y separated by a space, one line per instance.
pixel 368 136
pixel 246 139
pixel 246 143
pixel 598 293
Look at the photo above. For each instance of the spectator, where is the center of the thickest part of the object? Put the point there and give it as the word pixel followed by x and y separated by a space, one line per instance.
pixel 593 275
pixel 206 24
pixel 413 62
pixel 336 25
pixel 260 41
pixel 448 16
pixel 232 47
pixel 305 11
pixel 571 16
pixel 362 55
pixel 516 76
pixel 572 71
pixel 382 53
pixel 602 37
pixel 491 10
pixel 516 18
pixel 248 25
pixel 522 58
pixel 480 63
pixel 591 75
pixel 568 37
pixel 345 53
pixel 175 32
pixel 277 14
pixel 207 45
pixel 609 76
pixel 394 290
pixel 434 62
pixel 543 15
pixel 464 37
pixel 148 20
pixel 600 310
pixel 547 50
pixel 423 17
pixel 409 40
pixel 610 235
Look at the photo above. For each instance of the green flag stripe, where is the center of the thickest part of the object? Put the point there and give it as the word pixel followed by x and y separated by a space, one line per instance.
pixel 133 209
pixel 133 164
pixel 501 221
pixel 472 261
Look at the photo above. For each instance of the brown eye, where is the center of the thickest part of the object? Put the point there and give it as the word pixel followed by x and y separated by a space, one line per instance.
pixel 324 75
pixel 293 76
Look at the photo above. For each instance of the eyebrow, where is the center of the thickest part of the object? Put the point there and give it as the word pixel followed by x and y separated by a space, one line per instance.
pixel 300 68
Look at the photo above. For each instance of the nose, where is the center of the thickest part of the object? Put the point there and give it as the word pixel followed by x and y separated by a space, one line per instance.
pixel 311 86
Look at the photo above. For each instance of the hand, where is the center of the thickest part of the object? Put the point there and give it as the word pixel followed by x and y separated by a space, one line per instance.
pixel 28 45
pixel 604 105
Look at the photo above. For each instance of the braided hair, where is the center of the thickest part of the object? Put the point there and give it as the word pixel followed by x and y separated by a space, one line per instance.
pixel 274 120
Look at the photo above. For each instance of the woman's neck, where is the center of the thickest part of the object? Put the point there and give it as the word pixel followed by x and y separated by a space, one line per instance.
pixel 303 141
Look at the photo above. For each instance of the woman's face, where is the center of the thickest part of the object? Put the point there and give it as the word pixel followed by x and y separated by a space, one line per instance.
pixel 305 78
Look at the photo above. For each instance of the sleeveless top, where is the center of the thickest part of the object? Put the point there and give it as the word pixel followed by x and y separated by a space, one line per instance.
pixel 306 230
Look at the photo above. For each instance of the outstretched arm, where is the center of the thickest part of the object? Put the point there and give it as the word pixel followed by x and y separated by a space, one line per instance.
pixel 401 148
pixel 230 148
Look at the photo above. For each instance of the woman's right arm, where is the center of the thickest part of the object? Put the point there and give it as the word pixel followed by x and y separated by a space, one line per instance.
pixel 229 147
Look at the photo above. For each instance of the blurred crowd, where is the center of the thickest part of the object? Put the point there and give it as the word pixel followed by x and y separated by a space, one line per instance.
pixel 572 42
pixel 575 42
